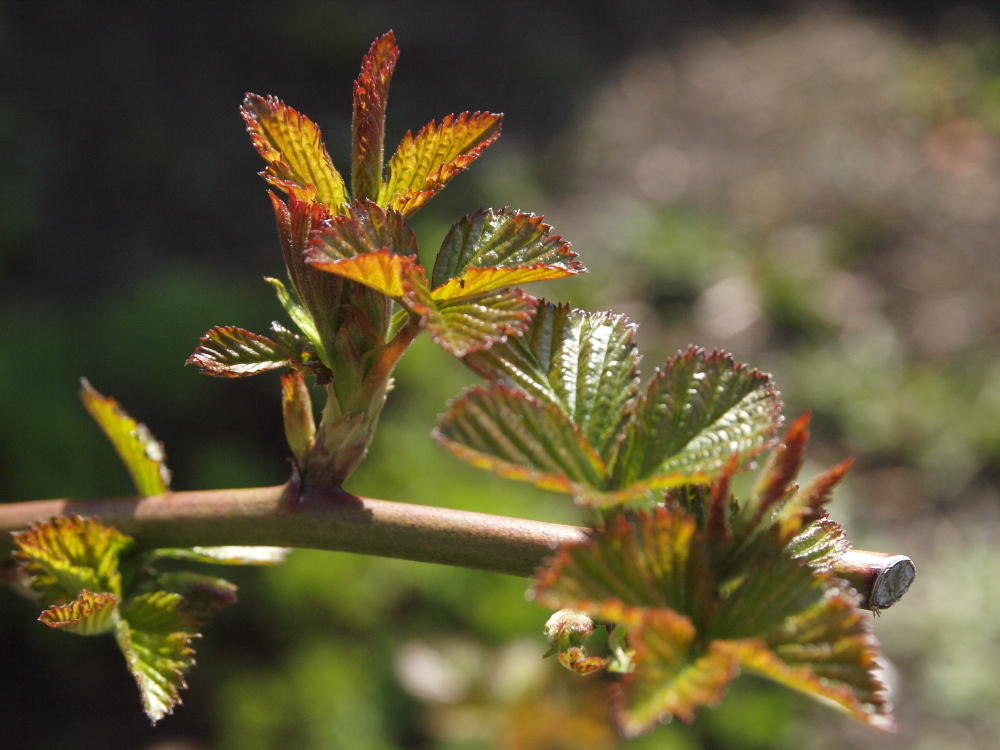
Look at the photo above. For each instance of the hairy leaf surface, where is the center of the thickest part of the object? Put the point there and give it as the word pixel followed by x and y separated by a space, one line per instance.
pixel 424 164
pixel 88 614
pixel 64 556
pixel 293 148
pixel 155 637
pixel 142 455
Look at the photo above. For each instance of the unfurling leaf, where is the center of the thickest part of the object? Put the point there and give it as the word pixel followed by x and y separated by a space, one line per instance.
pixel 231 352
pixel 708 585
pixel 66 556
pixel 155 636
pixel 424 164
pixel 204 596
pixel 371 92
pixel 292 146
pixel 88 614
pixel 492 250
pixel 698 412
pixel 142 455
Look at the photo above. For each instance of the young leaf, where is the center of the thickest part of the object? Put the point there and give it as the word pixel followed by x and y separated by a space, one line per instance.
pixel 292 146
pixel 230 352
pixel 227 555
pixel 65 556
pixel 296 408
pixel 471 323
pixel 586 363
pixel 371 91
pixel 88 614
pixel 142 455
pixel 422 166
pixel 699 410
pixel 493 250
pixel 154 636
pixel 519 437
pixel 303 319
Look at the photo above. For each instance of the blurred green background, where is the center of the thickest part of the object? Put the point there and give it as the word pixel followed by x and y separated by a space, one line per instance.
pixel 813 187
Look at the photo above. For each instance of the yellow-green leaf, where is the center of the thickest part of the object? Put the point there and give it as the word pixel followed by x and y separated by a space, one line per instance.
pixel 64 556
pixel 424 164
pixel 293 148
pixel 142 455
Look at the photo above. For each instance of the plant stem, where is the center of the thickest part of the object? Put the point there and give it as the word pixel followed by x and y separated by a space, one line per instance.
pixel 347 523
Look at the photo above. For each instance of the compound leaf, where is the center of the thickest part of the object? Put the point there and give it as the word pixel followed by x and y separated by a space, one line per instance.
pixel 64 556
pixel 371 92
pixel 495 249
pixel 292 146
pixel 154 634
pixel 424 164
pixel 231 352
pixel 88 614
pixel 517 436
pixel 142 455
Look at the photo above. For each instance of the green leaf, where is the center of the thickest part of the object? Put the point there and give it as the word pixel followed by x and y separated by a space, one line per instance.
pixel 292 146
pixel 204 596
pixel 371 92
pixel 492 250
pixel 297 413
pixel 88 614
pixel 519 437
pixel 142 455
pixel 586 363
pixel 422 166
pixel 226 555
pixel 699 411
pixel 672 677
pixel 65 556
pixel 467 324
pixel 820 544
pixel 154 635
pixel 231 352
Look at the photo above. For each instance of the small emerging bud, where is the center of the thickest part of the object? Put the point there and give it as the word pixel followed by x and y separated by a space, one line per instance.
pixel 568 628
pixel 300 429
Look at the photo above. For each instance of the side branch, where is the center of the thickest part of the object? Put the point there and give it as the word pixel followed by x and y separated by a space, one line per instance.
pixel 348 523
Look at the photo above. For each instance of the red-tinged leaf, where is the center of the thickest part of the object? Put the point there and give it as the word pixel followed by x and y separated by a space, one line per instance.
pixel 88 614
pixel 495 249
pixel 423 165
pixel 64 556
pixel 671 678
pixel 698 411
pixel 467 324
pixel 141 453
pixel 371 92
pixel 806 505
pixel 638 560
pixel 576 659
pixel 586 363
pixel 827 652
pixel 292 146
pixel 231 352
pixel 775 480
pixel 154 636
pixel 517 436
